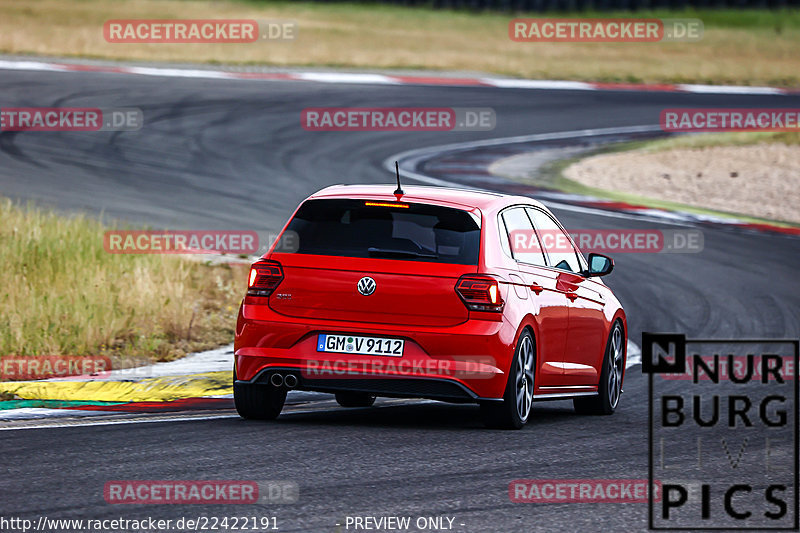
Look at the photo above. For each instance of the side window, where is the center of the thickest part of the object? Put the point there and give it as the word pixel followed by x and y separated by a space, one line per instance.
pixel 524 242
pixel 556 242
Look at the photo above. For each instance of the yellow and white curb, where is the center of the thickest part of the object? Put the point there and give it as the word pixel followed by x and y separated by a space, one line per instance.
pixel 198 375
pixel 162 389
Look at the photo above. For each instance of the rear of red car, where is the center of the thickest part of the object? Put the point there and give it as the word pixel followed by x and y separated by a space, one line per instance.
pixel 382 297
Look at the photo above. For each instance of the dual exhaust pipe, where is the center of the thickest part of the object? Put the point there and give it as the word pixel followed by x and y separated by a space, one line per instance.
pixel 278 380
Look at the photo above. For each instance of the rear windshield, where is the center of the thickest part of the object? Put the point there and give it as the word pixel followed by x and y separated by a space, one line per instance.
pixel 418 232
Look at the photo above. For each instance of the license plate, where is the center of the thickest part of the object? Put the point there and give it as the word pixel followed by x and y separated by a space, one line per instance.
pixel 360 345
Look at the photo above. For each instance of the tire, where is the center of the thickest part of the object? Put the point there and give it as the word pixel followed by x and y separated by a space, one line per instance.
pixel 610 387
pixel 258 402
pixel 515 409
pixel 354 399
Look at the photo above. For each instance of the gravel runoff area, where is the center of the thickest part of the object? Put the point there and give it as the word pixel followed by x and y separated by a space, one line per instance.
pixel 761 180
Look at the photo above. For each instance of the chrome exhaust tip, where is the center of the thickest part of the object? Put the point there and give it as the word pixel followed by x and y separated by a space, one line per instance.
pixel 276 379
pixel 290 381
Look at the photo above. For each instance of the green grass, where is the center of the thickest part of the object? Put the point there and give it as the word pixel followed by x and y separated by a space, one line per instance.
pixel 708 140
pixel 62 294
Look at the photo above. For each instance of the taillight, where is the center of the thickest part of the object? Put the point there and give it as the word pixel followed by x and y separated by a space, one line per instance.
pixel 264 277
pixel 480 293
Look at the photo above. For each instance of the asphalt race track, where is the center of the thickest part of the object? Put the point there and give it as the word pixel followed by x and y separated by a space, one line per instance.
pixel 230 154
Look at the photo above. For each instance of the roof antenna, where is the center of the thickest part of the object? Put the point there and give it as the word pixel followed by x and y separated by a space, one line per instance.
pixel 399 192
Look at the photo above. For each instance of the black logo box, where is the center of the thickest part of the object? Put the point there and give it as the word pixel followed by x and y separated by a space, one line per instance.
pixel 675 344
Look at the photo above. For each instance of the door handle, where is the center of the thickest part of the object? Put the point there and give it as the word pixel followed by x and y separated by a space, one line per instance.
pixel 535 287
pixel 571 295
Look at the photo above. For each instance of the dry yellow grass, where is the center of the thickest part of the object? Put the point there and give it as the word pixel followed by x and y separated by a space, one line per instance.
pixel 63 294
pixel 738 51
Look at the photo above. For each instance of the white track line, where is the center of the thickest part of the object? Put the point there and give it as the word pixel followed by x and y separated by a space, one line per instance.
pixel 287 412
pixel 412 156
pixel 539 84
pixel 33 413
pixel 535 137
pixel 728 89
pixel 83 423
pixel 344 77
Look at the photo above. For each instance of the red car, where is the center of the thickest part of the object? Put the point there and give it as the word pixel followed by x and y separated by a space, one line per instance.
pixel 420 293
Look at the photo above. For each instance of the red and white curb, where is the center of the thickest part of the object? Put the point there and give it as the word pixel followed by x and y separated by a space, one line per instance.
pixel 366 78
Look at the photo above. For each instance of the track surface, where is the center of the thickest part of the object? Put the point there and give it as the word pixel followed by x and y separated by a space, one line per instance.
pixel 232 155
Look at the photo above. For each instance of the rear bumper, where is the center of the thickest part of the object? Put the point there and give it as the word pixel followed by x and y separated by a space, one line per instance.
pixel 446 390
pixel 466 362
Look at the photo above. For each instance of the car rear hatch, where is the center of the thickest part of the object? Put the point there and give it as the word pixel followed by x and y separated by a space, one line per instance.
pixel 377 261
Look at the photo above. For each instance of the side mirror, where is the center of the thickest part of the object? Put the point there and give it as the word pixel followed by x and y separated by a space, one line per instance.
pixel 599 265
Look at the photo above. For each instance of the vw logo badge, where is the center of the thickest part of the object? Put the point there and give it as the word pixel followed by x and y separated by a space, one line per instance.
pixel 366 285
